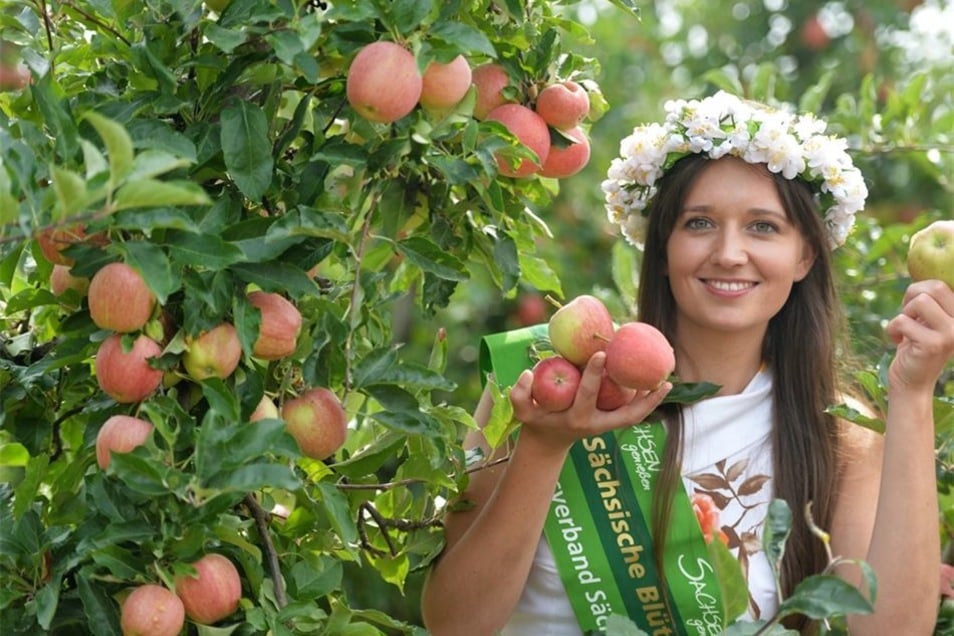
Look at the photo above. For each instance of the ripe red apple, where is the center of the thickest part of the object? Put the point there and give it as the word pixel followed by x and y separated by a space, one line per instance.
pixel 265 409
pixel 317 421
pixel 555 381
pixel 61 280
pixel 931 252
pixel 52 241
pixel 213 593
pixel 611 395
pixel 531 309
pixel 580 328
pixel 813 34
pixel 383 83
pixel 213 354
pixel 565 161
pixel 120 434
pixel 119 298
pixel 563 105
pixel 444 85
pixel 279 327
pixel 639 356
pixel 126 376
pixel 489 81
pixel 530 129
pixel 152 610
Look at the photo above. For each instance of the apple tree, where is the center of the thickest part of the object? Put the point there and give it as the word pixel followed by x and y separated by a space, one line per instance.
pixel 207 247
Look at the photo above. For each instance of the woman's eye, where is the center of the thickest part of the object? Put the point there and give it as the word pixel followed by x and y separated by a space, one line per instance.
pixel 764 227
pixel 697 223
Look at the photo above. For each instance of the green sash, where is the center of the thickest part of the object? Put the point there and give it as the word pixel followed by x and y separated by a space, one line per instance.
pixel 598 525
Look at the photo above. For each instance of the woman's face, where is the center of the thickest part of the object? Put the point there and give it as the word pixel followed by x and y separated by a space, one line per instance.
pixel 733 254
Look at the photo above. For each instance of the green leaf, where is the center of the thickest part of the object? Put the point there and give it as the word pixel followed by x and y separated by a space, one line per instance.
pixel 151 193
pixel 689 392
pixel 14 454
pixel 431 258
pixel 410 421
pixel 71 194
pixel 203 251
pixel 732 584
pixel 150 261
pixel 247 149
pixel 99 607
pixel 335 505
pixel 823 596
pixel 27 489
pixel 464 36
pixel 255 477
pixel 778 525
pixel 277 277
pixel 119 146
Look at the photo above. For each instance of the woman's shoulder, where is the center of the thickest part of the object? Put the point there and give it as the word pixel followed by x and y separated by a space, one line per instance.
pixel 859 444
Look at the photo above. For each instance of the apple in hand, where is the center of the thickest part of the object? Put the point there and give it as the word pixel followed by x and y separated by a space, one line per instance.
pixel 152 610
pixel 444 85
pixel 317 421
pixel 566 160
pixel 563 104
pixel 530 130
pixel 126 375
pixel 213 593
pixel 580 328
pixel 383 83
pixel 213 354
pixel 119 299
pixel 639 356
pixel 555 381
pixel 489 81
pixel 120 434
pixel 278 328
pixel 931 252
pixel 611 395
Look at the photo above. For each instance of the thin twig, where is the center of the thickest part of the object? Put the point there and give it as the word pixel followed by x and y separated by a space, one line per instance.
pixel 274 568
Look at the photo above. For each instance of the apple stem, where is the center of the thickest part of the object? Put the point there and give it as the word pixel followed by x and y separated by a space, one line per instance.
pixel 553 301
pixel 601 337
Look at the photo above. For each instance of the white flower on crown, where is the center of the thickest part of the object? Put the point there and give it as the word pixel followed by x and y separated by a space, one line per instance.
pixel 794 146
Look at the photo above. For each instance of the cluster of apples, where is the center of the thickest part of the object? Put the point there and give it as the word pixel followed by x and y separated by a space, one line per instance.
pixel 208 596
pixel 638 356
pixel 384 84
pixel 120 302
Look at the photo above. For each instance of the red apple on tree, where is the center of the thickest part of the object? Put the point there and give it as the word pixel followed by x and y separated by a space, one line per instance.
pixel 213 354
pixel 152 610
pixel 52 241
pixel 279 326
pixel 931 252
pixel 563 105
pixel 555 381
pixel 120 434
pixel 639 356
pixel 265 409
pixel 126 375
pixel 444 85
pixel 489 81
pixel 317 421
pixel 531 309
pixel 383 82
pixel 213 592
pixel 119 298
pixel 566 159
pixel 530 130
pixel 580 328
pixel 61 280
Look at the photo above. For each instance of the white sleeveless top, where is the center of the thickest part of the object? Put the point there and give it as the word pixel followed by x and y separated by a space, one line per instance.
pixel 727 470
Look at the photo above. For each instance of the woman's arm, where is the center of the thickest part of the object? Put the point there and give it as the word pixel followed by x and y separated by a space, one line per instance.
pixel 474 586
pixel 887 510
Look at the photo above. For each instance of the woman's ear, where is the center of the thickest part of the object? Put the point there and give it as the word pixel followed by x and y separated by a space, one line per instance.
pixel 805 262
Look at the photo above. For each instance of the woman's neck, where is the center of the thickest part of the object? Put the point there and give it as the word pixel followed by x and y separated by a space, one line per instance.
pixel 729 361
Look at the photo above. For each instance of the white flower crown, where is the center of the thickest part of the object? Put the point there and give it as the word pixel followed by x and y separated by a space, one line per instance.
pixel 724 124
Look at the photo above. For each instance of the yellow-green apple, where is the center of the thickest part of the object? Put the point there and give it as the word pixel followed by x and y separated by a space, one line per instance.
pixel 119 298
pixel 152 610
pixel 611 395
pixel 61 280
pixel 120 434
pixel 931 252
pixel 279 326
pixel 317 421
pixel 563 105
pixel 52 242
pixel 126 375
pixel 383 82
pixel 580 328
pixel 265 409
pixel 213 354
pixel 489 81
pixel 566 159
pixel 555 381
pixel 530 130
pixel 639 356
pixel 213 592
pixel 444 85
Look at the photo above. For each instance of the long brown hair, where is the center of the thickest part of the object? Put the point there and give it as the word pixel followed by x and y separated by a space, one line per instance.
pixel 799 350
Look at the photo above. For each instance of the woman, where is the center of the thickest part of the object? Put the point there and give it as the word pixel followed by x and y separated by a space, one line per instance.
pixel 736 273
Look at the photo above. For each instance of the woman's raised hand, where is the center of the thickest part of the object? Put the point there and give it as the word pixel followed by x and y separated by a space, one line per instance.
pixel 924 335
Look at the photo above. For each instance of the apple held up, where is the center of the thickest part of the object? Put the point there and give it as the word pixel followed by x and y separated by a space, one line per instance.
pixel 279 326
pixel 317 421
pixel 120 434
pixel 152 610
pixel 555 382
pixel 580 328
pixel 213 354
pixel 383 83
pixel 444 85
pixel 530 130
pixel 639 356
pixel 213 592
pixel 126 376
pixel 119 299
pixel 563 105
pixel 611 395
pixel 931 252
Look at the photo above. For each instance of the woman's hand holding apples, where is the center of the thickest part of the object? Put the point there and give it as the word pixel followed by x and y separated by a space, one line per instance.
pixel 924 335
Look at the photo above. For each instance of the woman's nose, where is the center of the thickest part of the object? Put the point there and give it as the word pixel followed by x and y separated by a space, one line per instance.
pixel 729 249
